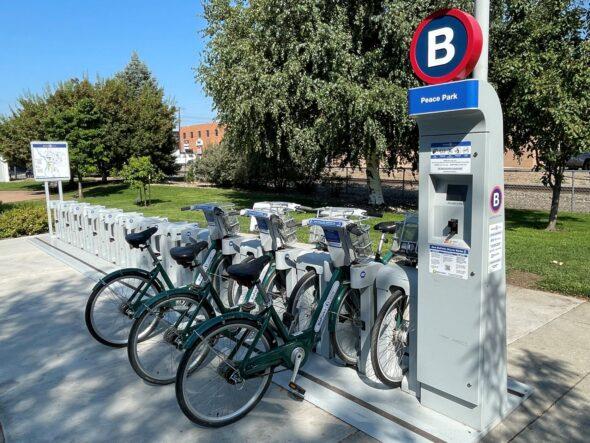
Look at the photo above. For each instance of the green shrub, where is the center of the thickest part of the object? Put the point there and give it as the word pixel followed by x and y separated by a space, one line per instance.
pixel 219 165
pixel 22 219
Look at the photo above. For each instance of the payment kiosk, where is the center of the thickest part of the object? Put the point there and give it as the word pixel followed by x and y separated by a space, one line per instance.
pixel 461 303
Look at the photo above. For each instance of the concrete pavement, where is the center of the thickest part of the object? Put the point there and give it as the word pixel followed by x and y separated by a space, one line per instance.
pixel 58 384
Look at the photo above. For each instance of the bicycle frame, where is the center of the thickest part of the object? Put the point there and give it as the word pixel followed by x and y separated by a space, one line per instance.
pixel 205 291
pixel 252 366
pixel 134 301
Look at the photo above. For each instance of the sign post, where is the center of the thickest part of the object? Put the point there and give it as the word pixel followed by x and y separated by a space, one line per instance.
pixel 51 162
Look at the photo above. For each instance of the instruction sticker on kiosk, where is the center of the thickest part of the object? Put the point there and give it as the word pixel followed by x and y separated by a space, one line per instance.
pixel 450 158
pixel 496 239
pixel 449 261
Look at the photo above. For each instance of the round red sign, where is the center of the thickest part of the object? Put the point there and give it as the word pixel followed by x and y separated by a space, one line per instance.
pixel 446 46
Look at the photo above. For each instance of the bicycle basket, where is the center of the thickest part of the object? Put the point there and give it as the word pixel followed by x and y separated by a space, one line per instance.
pixel 361 242
pixel 287 229
pixel 221 219
pixel 230 219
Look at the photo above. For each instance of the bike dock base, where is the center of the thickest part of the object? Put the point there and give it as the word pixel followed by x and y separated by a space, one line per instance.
pixel 383 413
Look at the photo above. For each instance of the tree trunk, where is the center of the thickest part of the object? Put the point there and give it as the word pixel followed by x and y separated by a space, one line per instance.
pixel 80 193
pixel 555 195
pixel 374 181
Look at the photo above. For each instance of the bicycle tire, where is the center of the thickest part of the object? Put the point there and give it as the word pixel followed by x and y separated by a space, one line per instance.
pixel 300 320
pixel 98 290
pixel 135 340
pixel 397 300
pixel 187 367
pixel 344 336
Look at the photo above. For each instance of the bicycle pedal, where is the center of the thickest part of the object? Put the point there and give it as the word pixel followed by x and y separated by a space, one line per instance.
pixel 296 391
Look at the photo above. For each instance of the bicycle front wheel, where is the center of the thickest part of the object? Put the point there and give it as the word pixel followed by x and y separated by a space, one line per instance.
pixel 346 333
pixel 276 287
pixel 106 310
pixel 210 388
pixel 389 340
pixel 155 339
pixel 304 301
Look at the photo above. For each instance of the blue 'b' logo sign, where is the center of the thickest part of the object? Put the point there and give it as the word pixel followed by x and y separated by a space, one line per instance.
pixel 446 46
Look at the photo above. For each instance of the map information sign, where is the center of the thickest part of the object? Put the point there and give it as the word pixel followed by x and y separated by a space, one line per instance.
pixel 50 161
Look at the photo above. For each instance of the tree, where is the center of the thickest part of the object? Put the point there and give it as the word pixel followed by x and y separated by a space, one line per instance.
pixel 304 83
pixel 147 116
pixel 140 173
pixel 540 58
pixel 105 122
pixel 136 76
pixel 73 116
pixel 23 124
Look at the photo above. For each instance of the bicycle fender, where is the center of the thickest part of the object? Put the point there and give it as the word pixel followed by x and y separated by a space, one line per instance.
pixel 334 308
pixel 220 319
pixel 124 271
pixel 164 295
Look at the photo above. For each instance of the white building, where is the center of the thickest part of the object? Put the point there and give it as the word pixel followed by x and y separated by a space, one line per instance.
pixel 4 174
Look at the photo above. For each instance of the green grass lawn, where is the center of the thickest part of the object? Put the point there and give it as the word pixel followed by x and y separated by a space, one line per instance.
pixel 530 250
pixel 21 185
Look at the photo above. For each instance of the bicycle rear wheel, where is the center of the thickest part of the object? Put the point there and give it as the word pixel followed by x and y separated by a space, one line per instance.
pixel 389 340
pixel 105 315
pixel 155 337
pixel 209 387
pixel 346 334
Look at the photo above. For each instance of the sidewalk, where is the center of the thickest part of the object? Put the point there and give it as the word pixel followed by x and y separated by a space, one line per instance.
pixel 57 384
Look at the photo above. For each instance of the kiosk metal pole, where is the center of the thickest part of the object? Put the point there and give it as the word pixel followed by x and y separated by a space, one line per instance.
pixel 48 208
pixel 60 190
pixel 482 15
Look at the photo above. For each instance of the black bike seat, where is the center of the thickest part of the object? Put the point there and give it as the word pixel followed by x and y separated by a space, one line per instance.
pixel 185 255
pixel 248 273
pixel 137 239
pixel 387 227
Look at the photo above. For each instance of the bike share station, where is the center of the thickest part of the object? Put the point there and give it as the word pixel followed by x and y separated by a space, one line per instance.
pixel 455 385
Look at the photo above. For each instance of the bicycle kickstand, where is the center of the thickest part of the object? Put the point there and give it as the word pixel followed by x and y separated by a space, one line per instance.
pixel 294 389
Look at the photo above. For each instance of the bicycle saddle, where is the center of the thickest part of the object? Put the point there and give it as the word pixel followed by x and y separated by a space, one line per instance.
pixel 185 255
pixel 137 239
pixel 248 273
pixel 388 227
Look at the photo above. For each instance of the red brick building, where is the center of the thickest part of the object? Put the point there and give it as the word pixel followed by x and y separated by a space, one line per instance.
pixel 199 137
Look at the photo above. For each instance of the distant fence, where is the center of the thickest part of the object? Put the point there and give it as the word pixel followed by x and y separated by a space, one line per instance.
pixel 524 189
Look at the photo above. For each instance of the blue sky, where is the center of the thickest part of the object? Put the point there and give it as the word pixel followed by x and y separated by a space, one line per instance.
pixel 43 42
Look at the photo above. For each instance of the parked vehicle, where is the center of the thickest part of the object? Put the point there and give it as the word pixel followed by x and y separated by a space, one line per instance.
pixel 581 161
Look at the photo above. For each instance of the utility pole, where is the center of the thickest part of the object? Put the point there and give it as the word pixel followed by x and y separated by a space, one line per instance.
pixel 482 15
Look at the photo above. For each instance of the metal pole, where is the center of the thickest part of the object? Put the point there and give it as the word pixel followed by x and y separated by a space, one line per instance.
pixel 61 191
pixel 482 15
pixel 48 209
pixel 573 191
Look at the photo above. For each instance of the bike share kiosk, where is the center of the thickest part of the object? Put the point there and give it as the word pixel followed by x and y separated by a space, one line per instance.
pixel 461 303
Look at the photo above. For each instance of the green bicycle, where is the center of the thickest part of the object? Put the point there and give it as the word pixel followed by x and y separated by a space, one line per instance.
pixel 172 315
pixel 230 360
pixel 117 297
